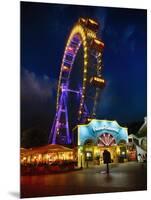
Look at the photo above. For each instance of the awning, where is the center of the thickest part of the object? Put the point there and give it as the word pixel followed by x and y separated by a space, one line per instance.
pixel 50 148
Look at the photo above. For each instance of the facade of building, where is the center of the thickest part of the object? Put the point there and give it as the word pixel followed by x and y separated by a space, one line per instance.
pixel 137 143
pixel 93 138
pixel 137 146
pixel 143 128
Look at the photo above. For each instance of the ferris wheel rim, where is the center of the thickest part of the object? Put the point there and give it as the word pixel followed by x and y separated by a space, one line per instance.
pixel 80 31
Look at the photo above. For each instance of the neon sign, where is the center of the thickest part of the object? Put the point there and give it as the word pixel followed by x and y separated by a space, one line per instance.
pixel 104 128
pixel 97 128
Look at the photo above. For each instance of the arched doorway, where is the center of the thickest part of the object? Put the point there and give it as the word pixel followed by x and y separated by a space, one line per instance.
pixel 106 141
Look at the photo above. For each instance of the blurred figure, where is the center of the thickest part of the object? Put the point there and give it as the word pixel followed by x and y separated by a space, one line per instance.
pixel 139 158
pixel 107 159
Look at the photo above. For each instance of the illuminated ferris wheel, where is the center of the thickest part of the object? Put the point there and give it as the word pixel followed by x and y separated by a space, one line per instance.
pixel 84 43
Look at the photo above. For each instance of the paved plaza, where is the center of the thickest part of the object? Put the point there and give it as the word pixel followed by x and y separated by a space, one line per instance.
pixel 131 176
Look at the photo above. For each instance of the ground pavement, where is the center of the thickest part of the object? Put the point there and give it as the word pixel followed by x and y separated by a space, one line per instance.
pixel 129 176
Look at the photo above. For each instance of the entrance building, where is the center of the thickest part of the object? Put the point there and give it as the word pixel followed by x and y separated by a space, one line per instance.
pixel 98 135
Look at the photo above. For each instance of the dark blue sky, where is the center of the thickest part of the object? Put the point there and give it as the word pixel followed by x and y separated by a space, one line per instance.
pixel 44 32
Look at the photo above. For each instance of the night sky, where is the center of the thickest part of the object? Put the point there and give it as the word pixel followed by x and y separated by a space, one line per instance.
pixel 44 31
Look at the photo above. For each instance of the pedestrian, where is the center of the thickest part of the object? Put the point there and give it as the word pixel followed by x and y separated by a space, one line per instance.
pixel 140 158
pixel 107 159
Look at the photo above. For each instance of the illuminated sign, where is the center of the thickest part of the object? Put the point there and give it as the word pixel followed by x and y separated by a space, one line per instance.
pixel 97 128
pixel 104 128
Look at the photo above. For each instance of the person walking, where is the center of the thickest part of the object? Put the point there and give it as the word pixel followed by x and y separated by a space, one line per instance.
pixel 140 159
pixel 107 159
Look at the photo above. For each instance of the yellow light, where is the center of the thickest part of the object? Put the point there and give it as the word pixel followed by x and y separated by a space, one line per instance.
pixel 85 63
pixel 65 68
pixel 82 32
pixel 85 48
pixel 85 55
pixel 99 80
pixel 85 70
pixel 99 54
pixel 118 150
pixel 93 22
pixel 82 19
pixel 97 41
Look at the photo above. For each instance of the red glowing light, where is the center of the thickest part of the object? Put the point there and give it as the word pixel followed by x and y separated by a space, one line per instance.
pixel 65 68
pixel 70 48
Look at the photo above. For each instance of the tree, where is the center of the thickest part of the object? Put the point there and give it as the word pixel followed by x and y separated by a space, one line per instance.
pixel 34 137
